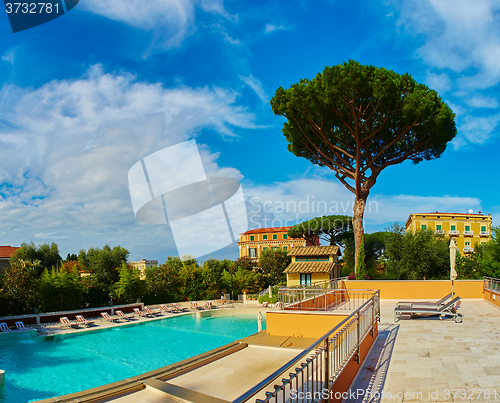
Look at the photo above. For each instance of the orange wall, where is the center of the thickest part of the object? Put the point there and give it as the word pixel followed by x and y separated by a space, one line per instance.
pixel 312 325
pixel 419 289
pixel 345 379
pixel 488 296
pixel 333 298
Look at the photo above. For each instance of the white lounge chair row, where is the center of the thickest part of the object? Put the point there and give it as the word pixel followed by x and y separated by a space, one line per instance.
pixel 268 305
pixel 80 321
pixel 208 305
pixel 5 328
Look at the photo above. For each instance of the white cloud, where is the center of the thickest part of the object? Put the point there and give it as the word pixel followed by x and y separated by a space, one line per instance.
pixel 8 57
pixel 271 28
pixel 459 32
pixel 256 85
pixel 67 146
pixel 171 21
pixel 478 129
pixel 439 82
pixel 216 7
pixel 481 101
pixel 461 44
pixel 286 203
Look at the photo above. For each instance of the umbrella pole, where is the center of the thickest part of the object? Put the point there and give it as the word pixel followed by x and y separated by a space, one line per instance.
pixel 452 292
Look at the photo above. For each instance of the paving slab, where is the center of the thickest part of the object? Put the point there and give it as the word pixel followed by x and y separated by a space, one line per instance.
pixel 433 360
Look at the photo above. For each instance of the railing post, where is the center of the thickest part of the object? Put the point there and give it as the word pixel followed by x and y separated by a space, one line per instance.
pixel 327 364
pixel 325 300
pixel 358 336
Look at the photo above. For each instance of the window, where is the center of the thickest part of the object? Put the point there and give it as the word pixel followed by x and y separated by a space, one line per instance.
pixel 252 252
pixel 453 228
pixel 285 248
pixel 252 237
pixel 275 236
pixel 275 247
pixel 483 229
pixel 265 249
pixel 285 236
pixel 438 227
pixel 305 278
pixel 424 226
pixel 467 227
pixel 264 236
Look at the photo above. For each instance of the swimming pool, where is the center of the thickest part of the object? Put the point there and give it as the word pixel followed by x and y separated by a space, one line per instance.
pixel 43 369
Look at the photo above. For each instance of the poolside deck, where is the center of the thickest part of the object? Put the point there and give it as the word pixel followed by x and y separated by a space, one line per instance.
pixel 432 360
pixel 55 328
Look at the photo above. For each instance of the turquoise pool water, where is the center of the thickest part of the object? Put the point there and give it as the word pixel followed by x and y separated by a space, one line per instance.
pixel 43 369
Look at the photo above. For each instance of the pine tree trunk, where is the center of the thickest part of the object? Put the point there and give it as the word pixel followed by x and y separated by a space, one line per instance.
pixel 357 223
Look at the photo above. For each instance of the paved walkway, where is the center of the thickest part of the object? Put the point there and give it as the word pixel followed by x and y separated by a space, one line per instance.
pixel 432 360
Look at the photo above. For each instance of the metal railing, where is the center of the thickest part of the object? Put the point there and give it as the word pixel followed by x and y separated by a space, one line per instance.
pixel 328 284
pixel 323 299
pixel 491 284
pixel 315 369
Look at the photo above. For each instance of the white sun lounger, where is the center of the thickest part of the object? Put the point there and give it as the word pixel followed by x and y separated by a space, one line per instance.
pixel 106 316
pixel 179 308
pixel 20 326
pixel 66 322
pixel 166 308
pixel 450 308
pixel 121 315
pixel 83 321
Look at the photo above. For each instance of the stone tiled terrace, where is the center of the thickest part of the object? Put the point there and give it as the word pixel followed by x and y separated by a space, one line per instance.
pixel 433 360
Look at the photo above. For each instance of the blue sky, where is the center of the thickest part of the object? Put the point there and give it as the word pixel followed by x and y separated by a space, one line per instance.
pixel 87 95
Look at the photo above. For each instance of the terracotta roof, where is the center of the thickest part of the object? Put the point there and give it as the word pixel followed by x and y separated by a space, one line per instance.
pixel 8 251
pixel 314 251
pixel 263 230
pixel 310 267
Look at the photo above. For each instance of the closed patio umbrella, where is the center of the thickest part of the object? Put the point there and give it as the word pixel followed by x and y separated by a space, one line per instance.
pixel 453 255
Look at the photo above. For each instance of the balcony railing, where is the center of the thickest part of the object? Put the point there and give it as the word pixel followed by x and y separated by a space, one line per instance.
pixel 319 366
pixel 491 284
pixel 439 231
pixel 453 232
pixel 484 233
pixel 469 233
pixel 468 249
pixel 325 284
pixel 322 299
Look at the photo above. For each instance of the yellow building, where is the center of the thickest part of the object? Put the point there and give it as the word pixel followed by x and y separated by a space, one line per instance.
pixel 312 264
pixel 252 243
pixel 142 265
pixel 467 229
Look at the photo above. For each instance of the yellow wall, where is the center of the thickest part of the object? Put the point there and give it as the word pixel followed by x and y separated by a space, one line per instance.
pixel 474 221
pixel 419 289
pixel 312 325
pixel 294 278
pixel 492 297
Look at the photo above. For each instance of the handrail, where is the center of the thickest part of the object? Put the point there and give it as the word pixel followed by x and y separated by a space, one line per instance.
pixel 491 284
pixel 324 299
pixel 373 301
pixel 318 283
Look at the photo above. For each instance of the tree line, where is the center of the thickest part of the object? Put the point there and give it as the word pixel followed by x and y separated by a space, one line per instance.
pixel 400 254
pixel 40 279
